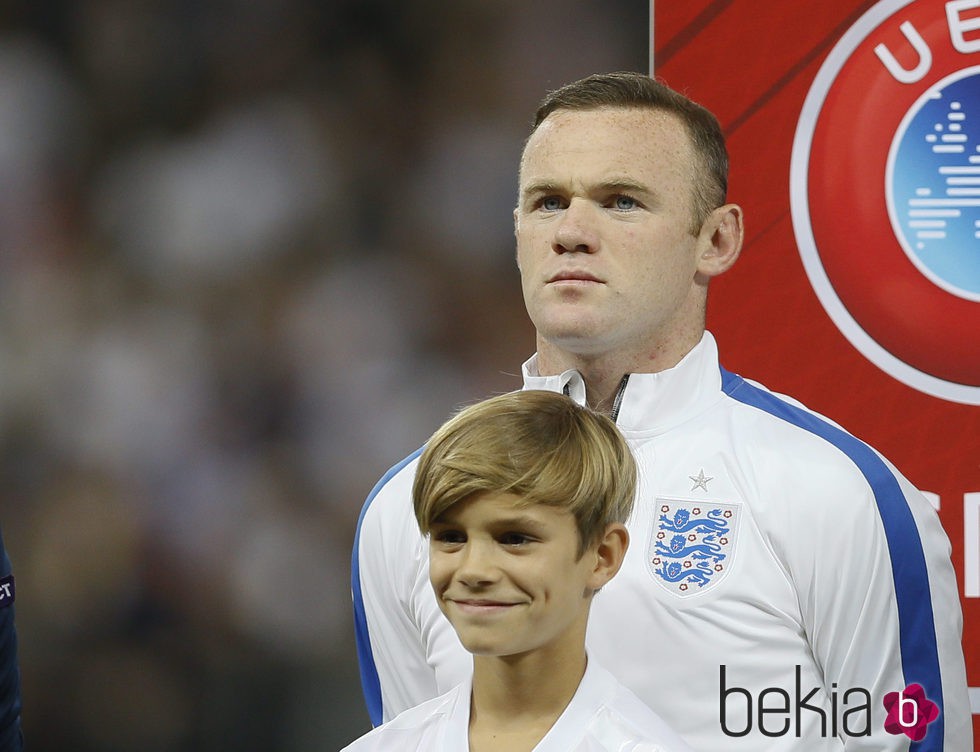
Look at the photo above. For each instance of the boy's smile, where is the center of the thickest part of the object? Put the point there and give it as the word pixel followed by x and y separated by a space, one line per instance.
pixel 508 575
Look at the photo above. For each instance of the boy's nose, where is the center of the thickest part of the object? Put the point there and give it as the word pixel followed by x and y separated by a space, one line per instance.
pixel 477 567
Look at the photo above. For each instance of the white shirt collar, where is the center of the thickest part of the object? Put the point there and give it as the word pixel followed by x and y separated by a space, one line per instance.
pixel 651 403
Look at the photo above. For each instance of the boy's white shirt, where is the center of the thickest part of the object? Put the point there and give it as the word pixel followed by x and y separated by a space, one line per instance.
pixel 602 716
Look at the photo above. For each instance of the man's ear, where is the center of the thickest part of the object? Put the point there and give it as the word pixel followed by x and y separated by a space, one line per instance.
pixel 720 240
pixel 609 554
pixel 517 226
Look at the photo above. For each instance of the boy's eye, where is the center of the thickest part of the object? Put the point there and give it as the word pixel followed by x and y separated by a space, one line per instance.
pixel 514 539
pixel 449 537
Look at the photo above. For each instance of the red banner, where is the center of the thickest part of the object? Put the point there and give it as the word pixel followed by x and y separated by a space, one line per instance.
pixel 854 132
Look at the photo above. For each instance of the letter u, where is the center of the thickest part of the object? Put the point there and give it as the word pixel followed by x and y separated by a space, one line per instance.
pixel 903 75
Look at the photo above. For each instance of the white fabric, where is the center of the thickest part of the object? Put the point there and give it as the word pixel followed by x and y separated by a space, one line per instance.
pixel 809 582
pixel 602 716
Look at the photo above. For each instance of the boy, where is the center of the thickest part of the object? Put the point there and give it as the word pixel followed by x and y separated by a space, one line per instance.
pixel 523 498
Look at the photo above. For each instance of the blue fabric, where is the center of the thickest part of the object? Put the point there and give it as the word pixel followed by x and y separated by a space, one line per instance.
pixel 370 683
pixel 920 653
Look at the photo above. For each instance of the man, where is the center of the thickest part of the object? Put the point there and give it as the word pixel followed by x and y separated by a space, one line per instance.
pixel 785 579
pixel 523 498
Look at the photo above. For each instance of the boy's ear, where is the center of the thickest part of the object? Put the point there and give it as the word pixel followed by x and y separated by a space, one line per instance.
pixel 609 554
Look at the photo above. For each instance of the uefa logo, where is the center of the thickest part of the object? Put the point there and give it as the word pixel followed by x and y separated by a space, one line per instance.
pixel 885 192
pixel 933 184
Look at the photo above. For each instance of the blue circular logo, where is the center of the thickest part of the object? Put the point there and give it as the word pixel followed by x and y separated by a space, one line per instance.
pixel 885 192
pixel 933 184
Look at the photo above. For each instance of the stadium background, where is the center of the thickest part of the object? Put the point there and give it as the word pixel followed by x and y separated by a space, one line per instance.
pixel 251 253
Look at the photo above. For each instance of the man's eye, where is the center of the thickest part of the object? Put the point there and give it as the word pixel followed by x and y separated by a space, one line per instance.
pixel 551 203
pixel 624 203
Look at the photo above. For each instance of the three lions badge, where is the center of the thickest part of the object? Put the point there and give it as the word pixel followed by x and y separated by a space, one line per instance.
pixel 691 544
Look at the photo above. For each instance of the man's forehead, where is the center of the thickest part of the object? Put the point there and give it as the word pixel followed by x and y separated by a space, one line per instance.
pixel 620 135
pixel 640 121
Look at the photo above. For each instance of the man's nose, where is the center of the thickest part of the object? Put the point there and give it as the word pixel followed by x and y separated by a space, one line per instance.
pixel 576 229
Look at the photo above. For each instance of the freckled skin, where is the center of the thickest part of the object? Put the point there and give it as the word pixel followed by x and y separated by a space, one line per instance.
pixel 608 194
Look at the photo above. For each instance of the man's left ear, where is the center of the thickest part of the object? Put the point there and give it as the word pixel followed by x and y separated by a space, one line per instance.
pixel 720 240
pixel 609 554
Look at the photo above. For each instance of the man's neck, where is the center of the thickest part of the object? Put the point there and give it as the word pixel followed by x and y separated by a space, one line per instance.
pixel 603 374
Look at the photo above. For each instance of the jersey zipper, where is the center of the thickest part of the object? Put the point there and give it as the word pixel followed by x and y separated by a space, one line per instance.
pixel 620 391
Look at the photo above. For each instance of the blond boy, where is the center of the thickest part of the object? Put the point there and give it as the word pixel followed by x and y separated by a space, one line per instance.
pixel 523 499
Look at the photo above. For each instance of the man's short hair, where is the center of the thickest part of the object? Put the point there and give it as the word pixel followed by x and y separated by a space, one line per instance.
pixel 540 446
pixel 637 90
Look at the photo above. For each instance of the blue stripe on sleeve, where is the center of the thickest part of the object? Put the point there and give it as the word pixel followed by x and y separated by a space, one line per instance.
pixel 917 630
pixel 370 682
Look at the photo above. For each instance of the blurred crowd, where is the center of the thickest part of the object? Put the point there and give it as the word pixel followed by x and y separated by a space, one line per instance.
pixel 252 252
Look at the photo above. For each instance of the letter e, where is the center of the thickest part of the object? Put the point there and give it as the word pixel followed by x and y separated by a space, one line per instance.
pixel 764 711
pixel 958 25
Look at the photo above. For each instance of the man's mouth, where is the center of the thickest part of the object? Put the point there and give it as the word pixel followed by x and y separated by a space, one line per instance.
pixel 574 276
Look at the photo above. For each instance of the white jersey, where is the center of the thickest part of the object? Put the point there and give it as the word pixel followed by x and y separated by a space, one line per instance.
pixel 602 716
pixel 782 581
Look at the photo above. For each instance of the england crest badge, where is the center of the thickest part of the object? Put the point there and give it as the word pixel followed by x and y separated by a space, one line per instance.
pixel 691 544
